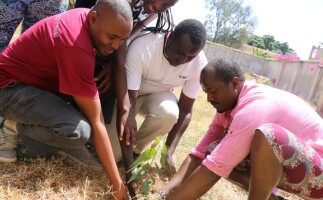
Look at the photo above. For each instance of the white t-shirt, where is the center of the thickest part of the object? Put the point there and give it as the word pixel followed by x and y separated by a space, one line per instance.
pixel 149 71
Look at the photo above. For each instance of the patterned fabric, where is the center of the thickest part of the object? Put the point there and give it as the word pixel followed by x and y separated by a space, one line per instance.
pixel 31 11
pixel 302 165
pixel 138 11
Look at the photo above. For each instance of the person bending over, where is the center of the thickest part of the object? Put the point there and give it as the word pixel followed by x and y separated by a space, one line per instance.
pixel 260 138
pixel 57 56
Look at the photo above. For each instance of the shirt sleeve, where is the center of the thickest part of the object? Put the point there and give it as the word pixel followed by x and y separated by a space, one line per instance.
pixel 76 72
pixel 235 146
pixel 214 133
pixel 135 64
pixel 192 86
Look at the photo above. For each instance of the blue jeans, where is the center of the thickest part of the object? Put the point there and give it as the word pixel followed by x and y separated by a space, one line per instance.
pixel 43 118
pixel 31 11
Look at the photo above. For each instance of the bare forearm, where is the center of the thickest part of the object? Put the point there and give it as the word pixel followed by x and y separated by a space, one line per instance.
pixel 127 151
pixel 202 179
pixel 91 108
pixel 105 153
pixel 177 131
pixel 121 76
pixel 185 105
pixel 133 94
pixel 187 167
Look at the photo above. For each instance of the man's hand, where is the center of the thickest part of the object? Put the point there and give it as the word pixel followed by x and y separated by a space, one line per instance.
pixel 170 166
pixel 128 129
pixel 104 79
pixel 132 187
pixel 129 123
pixel 92 111
pixel 120 192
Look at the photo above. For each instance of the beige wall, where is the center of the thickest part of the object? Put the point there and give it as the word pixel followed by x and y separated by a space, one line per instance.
pixel 320 53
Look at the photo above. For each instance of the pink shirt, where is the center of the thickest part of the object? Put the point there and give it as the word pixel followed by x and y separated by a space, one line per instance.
pixel 257 104
pixel 56 55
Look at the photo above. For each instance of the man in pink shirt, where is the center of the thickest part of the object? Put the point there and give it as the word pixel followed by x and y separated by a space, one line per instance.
pixel 57 56
pixel 260 138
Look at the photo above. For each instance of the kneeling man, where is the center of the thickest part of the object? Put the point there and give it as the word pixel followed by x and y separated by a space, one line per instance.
pixel 260 138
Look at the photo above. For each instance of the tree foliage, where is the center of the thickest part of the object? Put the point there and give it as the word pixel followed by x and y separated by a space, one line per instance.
pixel 269 43
pixel 228 22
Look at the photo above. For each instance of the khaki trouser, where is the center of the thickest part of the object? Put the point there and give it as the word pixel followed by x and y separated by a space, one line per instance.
pixel 160 112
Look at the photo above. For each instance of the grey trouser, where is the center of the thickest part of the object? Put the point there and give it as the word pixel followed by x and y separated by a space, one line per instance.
pixel 160 112
pixel 44 118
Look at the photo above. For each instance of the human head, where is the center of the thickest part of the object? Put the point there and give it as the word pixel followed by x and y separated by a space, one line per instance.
pixel 157 6
pixel 222 81
pixel 110 23
pixel 185 42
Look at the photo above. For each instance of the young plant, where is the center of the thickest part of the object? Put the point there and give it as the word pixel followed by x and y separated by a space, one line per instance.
pixel 146 161
pixel 260 53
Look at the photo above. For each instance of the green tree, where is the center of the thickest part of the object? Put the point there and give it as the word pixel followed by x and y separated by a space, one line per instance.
pixel 284 48
pixel 268 42
pixel 229 22
pixel 257 41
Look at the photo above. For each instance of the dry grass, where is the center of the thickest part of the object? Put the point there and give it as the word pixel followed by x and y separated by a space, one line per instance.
pixel 61 178
pixel 56 178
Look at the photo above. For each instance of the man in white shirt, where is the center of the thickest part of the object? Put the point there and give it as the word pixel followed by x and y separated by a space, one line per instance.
pixel 156 63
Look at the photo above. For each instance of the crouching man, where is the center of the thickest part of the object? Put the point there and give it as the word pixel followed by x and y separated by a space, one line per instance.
pixel 260 138
pixel 57 55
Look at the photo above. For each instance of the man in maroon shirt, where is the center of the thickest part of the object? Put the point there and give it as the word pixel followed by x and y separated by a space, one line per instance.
pixel 57 56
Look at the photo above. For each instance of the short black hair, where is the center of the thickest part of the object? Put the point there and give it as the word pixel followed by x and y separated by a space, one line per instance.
pixel 114 7
pixel 194 28
pixel 225 70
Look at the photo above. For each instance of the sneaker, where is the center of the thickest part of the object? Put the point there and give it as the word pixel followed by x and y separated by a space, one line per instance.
pixel 8 145
pixel 82 156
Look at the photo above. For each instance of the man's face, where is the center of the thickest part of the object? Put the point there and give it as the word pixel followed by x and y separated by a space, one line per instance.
pixel 222 96
pixel 182 50
pixel 108 32
pixel 157 6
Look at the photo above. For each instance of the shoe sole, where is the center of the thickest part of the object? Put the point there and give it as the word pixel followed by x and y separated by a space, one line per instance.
pixel 7 160
pixel 62 153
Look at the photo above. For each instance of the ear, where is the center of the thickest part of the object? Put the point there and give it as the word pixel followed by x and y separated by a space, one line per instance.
pixel 236 82
pixel 93 17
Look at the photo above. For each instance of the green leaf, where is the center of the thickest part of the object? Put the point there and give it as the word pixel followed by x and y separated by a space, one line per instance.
pixel 163 146
pixel 153 180
pixel 145 186
pixel 155 143
pixel 139 172
pixel 144 156
pixel 159 172
pixel 163 160
pixel 163 154
pixel 146 167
